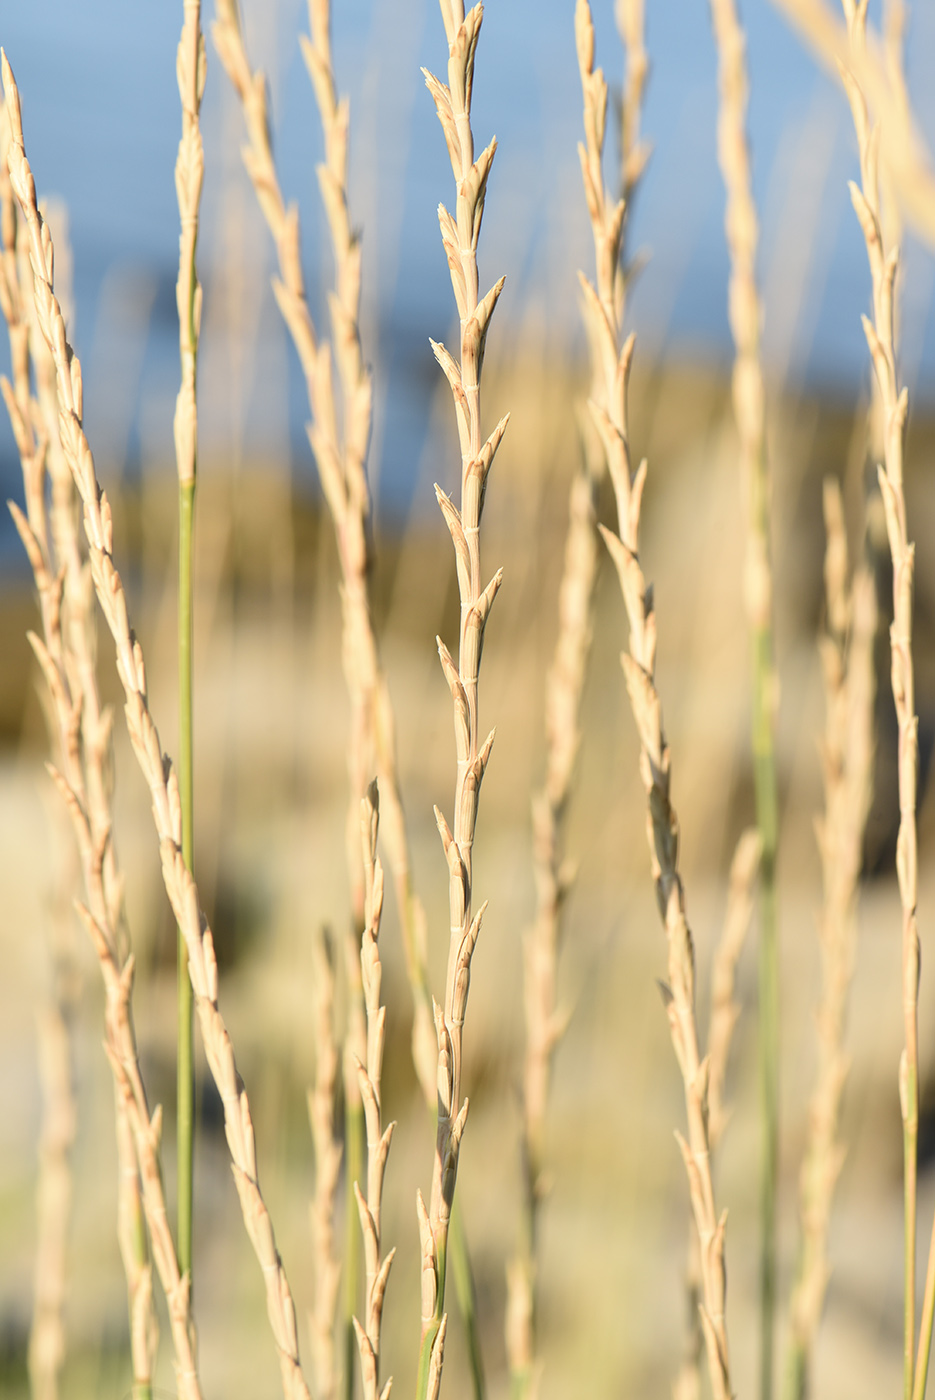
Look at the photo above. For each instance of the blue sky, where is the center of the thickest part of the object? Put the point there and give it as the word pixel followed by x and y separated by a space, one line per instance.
pixel 102 123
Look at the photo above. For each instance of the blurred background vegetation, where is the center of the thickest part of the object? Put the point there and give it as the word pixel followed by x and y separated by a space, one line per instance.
pixel 100 107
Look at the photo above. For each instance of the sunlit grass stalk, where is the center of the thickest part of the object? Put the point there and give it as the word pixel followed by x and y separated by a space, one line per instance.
pixel 185 1061
pixel 609 411
pixel 340 449
pixel 80 736
pixel 880 333
pixel 545 1022
pixel 847 763
pixel 460 234
pixel 162 782
pixel 355 1053
pixel 745 315
pixel 189 175
pixel 369 1197
pixel 722 1022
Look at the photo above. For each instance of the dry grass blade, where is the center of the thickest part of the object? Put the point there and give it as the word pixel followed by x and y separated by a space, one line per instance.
pixel 156 768
pixel 610 418
pixel 847 762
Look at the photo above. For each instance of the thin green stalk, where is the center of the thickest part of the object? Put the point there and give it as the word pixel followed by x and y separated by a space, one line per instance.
pixel 767 810
pixel 431 1332
pixel 463 1276
pixel 186 1070
pixel 925 1329
pixel 910 1180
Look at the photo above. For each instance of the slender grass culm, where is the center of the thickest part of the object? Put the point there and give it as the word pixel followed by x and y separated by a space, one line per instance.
pixel 880 333
pixel 610 413
pixel 745 315
pixel 847 763
pixel 339 433
pixel 460 236
pixel 189 176
pixel 564 688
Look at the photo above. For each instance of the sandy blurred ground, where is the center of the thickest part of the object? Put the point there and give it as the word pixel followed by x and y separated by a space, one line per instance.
pixel 270 733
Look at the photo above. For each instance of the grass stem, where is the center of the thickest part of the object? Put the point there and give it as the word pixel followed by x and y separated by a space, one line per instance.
pixel 767 807
pixel 186 1069
pixel 354 1159
pixel 466 1294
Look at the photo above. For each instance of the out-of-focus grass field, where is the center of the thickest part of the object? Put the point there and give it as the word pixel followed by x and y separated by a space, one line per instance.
pixel 271 794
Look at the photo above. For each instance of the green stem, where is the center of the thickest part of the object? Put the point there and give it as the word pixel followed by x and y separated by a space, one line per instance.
pixel 431 1332
pixel 186 1072
pixel 925 1329
pixel 767 810
pixel 466 1293
pixel 354 1159
pixel 910 1182
pixel 142 1389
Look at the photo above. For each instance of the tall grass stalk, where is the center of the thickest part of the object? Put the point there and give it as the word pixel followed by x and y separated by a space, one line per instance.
pixel 847 763
pixel 80 737
pixel 460 236
pixel 880 333
pixel 612 361
pixel 189 174
pixel 340 449
pixel 545 1021
pixel 745 315
pixel 369 1199
pixel 180 885
pixel 340 452
pixel 722 1021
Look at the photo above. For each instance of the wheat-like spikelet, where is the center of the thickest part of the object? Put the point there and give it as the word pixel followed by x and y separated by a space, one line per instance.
pixel 80 731
pixel 460 235
pixel 191 69
pixel 157 769
pixel 378 1139
pixel 847 762
pixel 326 1140
pixel 54 1020
pixel 341 457
pixel 880 338
pixel 723 1017
pixel 545 1023
pixel 725 1010
pixel 610 418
